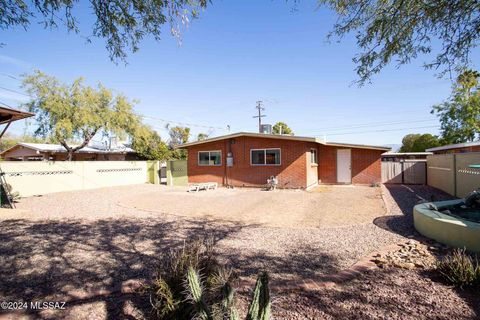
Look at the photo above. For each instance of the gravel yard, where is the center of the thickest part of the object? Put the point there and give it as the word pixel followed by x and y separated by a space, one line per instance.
pixel 67 245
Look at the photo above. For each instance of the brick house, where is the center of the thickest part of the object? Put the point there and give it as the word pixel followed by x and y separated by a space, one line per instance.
pixel 457 148
pixel 248 159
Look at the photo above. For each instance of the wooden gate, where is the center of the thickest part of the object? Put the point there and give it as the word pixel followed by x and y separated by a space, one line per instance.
pixel 404 172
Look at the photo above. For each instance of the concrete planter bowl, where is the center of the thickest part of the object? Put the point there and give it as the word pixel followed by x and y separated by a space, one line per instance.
pixel 446 229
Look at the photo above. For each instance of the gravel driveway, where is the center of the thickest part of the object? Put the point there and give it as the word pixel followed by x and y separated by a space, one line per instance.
pixel 74 243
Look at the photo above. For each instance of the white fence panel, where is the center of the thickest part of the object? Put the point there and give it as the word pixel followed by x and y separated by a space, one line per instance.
pixel 391 172
pixel 38 177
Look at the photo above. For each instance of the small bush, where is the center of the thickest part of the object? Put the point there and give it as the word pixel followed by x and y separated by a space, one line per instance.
pixel 460 269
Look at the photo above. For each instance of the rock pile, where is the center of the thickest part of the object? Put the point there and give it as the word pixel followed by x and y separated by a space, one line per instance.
pixel 410 255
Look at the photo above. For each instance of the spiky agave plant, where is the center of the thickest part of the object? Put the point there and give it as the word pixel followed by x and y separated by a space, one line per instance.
pixel 223 294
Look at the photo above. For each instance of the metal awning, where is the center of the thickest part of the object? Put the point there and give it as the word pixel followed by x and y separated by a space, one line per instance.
pixel 8 115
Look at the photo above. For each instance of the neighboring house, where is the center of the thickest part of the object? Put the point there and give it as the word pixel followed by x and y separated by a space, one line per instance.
pixel 248 159
pixel 402 156
pixel 55 152
pixel 457 148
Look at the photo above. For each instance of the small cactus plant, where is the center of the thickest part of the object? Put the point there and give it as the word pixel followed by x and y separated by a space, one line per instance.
pixel 194 290
pixel 259 307
pixel 191 284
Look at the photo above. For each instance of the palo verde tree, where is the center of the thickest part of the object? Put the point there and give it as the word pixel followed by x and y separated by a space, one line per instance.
pixel 148 144
pixel 76 112
pixel 400 31
pixel 202 136
pixel 460 115
pixel 123 23
pixel 281 128
pixel 178 135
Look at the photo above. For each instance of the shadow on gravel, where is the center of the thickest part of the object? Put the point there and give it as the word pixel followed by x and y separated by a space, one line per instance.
pixel 58 260
pixel 307 263
pixel 406 197
pixel 468 294
pixel 380 294
pixel 66 259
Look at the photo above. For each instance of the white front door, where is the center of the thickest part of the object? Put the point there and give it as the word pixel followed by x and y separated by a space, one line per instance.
pixel 344 166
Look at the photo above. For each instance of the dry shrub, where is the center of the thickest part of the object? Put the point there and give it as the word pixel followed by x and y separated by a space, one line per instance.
pixel 460 268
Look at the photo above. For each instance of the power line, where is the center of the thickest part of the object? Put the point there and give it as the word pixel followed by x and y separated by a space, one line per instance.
pixel 6 105
pixel 183 123
pixel 9 76
pixel 382 130
pixel 14 91
pixel 373 124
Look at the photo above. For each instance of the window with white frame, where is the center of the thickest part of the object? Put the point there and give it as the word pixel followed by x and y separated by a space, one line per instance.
pixel 313 156
pixel 265 157
pixel 210 158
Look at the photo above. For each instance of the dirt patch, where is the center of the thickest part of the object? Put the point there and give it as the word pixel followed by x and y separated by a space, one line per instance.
pixel 323 207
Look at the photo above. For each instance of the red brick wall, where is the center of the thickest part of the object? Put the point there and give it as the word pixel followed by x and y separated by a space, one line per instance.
pixel 366 165
pixel 327 164
pixel 291 173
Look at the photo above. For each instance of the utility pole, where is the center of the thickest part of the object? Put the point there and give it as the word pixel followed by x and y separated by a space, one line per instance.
pixel 260 108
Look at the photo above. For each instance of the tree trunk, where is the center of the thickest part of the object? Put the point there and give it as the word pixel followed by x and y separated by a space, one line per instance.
pixel 71 150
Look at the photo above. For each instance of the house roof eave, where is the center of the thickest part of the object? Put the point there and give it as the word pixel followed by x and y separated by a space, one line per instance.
pixel 282 137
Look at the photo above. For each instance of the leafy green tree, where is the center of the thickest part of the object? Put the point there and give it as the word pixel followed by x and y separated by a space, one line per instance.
pixel 123 23
pixel 202 136
pixel 77 112
pixel 281 128
pixel 400 31
pixel 148 145
pixel 178 135
pixel 419 142
pixel 460 115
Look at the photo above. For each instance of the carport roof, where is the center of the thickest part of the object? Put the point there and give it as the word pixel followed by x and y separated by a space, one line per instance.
pixel 9 114
pixel 282 137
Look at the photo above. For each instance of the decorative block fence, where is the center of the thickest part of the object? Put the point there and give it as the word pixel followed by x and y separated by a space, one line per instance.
pixel 39 177
pixel 453 173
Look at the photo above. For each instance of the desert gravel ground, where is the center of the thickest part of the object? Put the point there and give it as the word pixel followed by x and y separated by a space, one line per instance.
pixel 70 244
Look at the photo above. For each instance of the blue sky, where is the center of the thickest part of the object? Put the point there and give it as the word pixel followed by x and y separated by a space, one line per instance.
pixel 235 54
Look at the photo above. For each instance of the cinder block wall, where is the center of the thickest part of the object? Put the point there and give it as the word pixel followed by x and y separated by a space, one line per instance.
pixel 292 173
pixel 42 177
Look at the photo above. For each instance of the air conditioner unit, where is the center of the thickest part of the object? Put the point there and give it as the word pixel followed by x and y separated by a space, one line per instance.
pixel 266 128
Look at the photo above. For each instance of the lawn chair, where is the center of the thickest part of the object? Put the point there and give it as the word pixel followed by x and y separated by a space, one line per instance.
pixel 272 183
pixel 202 186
